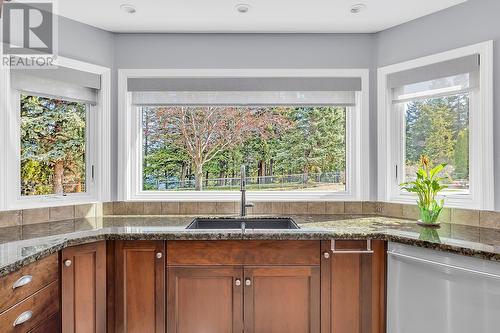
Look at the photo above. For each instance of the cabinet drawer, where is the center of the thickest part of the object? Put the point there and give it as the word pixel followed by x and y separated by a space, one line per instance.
pixel 243 252
pixel 18 285
pixel 35 309
pixel 351 246
pixel 51 325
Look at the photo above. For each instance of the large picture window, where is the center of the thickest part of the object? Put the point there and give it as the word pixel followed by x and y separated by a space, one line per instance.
pixel 300 134
pixel 194 148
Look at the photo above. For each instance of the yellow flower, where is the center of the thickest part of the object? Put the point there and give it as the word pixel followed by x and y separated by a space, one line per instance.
pixel 424 160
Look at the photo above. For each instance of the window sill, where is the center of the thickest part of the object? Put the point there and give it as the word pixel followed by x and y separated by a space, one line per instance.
pixel 236 195
pixel 455 201
pixel 51 201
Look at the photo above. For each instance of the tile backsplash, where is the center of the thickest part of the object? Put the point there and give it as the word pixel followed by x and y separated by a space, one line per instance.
pixel 488 219
pixel 13 218
pixel 231 208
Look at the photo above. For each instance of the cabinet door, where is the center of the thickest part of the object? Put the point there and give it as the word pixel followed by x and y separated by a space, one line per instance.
pixel 140 286
pixel 282 299
pixel 84 288
pixel 353 287
pixel 204 299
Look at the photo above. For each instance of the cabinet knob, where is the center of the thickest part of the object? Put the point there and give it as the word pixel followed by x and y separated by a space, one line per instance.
pixel 326 255
pixel 237 282
pixel 159 255
pixel 248 282
pixel 67 263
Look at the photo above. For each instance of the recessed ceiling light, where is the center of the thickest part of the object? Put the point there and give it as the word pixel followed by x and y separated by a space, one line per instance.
pixel 128 8
pixel 242 7
pixel 357 8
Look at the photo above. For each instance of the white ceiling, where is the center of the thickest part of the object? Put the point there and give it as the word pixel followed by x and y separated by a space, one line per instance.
pixel 292 16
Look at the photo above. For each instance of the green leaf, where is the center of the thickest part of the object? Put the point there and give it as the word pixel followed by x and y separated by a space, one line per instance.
pixel 437 169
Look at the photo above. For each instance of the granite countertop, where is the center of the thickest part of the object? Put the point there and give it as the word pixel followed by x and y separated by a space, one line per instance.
pixel 21 245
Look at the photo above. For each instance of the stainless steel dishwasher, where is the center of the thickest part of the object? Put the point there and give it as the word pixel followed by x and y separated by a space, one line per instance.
pixel 432 291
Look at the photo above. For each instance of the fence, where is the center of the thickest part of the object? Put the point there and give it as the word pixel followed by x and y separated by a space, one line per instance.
pixel 35 188
pixel 277 182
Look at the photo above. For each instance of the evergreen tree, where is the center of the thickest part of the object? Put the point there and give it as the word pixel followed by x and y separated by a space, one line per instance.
pixel 461 157
pixel 438 128
pixel 52 145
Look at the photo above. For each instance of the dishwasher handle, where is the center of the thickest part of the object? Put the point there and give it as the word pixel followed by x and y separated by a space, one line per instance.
pixel 440 264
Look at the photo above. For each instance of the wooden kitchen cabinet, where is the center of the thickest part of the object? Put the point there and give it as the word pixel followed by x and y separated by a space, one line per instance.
pixel 84 288
pixel 353 286
pixel 278 299
pixel 139 287
pixel 205 299
pixel 282 299
pixel 249 286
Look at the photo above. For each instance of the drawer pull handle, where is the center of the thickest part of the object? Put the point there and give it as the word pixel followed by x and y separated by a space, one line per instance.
pixel 23 280
pixel 67 263
pixel 237 282
pixel 159 255
pixel 248 282
pixel 367 251
pixel 23 317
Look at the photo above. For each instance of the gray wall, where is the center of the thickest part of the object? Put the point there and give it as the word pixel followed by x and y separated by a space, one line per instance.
pixel 243 50
pixel 86 43
pixel 251 51
pixel 465 24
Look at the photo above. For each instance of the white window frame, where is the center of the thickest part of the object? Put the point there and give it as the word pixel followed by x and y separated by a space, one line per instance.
pixel 129 138
pixel 390 138
pixel 98 142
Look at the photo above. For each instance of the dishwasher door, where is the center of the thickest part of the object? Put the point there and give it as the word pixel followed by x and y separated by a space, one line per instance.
pixel 431 291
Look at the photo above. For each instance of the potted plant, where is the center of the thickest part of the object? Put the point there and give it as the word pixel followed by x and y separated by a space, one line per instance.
pixel 427 186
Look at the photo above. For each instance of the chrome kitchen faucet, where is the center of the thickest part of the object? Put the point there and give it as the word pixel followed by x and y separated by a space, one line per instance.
pixel 243 203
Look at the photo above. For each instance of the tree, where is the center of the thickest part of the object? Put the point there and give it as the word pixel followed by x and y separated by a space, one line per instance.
pixel 161 164
pixel 439 145
pixel 53 136
pixel 461 157
pixel 35 178
pixel 282 140
pixel 438 127
pixel 316 143
pixel 205 132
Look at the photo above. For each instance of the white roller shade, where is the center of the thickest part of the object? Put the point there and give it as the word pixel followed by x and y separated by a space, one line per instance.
pixel 449 68
pixel 303 98
pixel 62 83
pixel 245 84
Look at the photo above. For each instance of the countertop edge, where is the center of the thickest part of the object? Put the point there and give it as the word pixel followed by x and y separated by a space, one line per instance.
pixel 319 235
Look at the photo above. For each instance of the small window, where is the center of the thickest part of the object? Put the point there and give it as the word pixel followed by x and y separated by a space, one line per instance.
pixel 56 135
pixel 440 106
pixel 284 148
pixel 53 146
